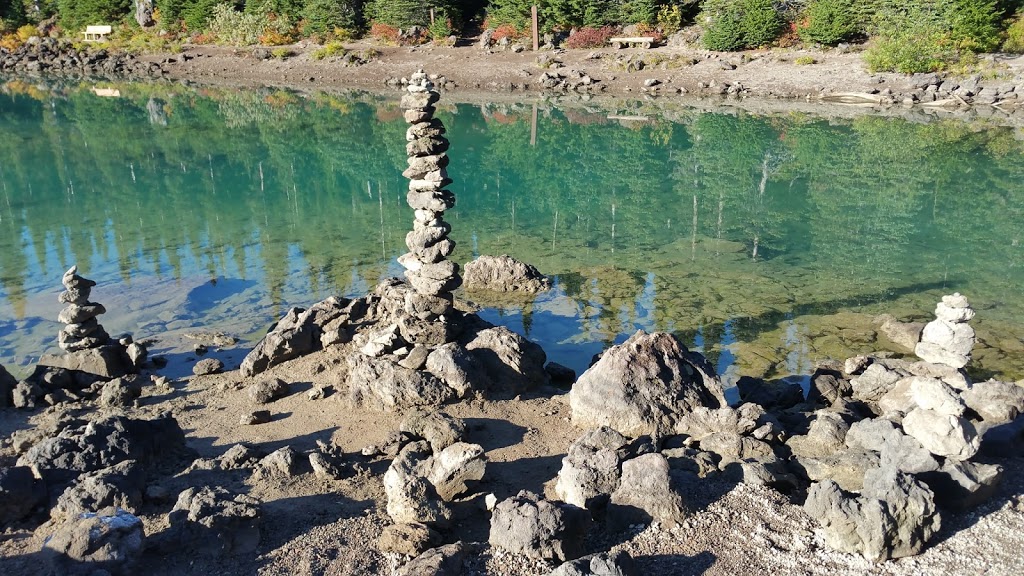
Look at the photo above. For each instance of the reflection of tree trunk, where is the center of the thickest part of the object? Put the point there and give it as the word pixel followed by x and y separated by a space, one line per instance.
pixel 764 176
pixel 693 234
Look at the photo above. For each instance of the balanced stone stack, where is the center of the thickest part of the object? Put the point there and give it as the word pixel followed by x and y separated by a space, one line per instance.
pixel 81 331
pixel 431 275
pixel 949 338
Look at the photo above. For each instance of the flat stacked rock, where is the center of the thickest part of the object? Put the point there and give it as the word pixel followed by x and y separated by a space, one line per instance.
pixel 431 275
pixel 949 338
pixel 81 331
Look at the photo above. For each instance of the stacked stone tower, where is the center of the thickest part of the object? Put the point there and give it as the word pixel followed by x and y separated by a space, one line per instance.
pixel 949 338
pixel 431 275
pixel 81 331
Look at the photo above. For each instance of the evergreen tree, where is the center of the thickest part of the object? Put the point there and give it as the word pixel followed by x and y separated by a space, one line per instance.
pixel 77 14
pixel 323 16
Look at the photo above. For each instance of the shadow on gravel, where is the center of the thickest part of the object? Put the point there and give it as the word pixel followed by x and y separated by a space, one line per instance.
pixel 675 565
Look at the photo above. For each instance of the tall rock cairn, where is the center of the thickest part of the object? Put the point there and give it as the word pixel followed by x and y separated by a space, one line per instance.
pixel 431 275
pixel 81 331
pixel 949 338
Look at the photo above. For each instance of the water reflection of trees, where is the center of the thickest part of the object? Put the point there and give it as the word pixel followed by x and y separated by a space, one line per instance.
pixel 739 218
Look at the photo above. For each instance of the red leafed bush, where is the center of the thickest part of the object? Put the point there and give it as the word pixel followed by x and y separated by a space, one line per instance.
pixel 505 31
pixel 589 38
pixel 384 33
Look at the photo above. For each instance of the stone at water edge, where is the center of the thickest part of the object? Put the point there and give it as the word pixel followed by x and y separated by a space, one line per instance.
pixel 943 434
pixel 949 338
pixel 642 386
pixel 109 361
pixel 7 384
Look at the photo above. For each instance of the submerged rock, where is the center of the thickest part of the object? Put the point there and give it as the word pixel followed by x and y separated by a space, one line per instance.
pixel 504 274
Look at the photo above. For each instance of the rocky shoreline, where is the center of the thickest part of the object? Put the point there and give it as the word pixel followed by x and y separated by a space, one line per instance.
pixel 473 72
pixel 401 433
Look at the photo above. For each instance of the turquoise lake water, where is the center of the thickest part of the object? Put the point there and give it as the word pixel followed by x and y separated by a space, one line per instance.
pixel 768 242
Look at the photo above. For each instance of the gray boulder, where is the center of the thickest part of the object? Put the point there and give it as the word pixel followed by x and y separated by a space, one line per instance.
pixel 380 384
pixel 943 434
pixel 824 438
pixel 503 274
pixel 412 498
pixel 110 543
pixel 107 361
pixel 949 338
pixel 283 462
pixel 7 384
pixel 592 468
pixel 119 486
pixel 20 493
pixel 904 334
pixel 121 392
pixel 293 336
pixel 103 443
pixel 434 426
pixel 643 386
pixel 409 539
pixel 996 402
pixel 208 366
pixel 618 563
pixel 528 525
pixel 458 368
pixel 442 561
pixel 455 467
pixel 874 382
pixel 963 485
pixel 266 391
pixel 702 421
pixel 646 493
pixel 211 520
pixel 893 517
pixel 933 394
pixel 846 469
pixel 735 448
pixel 513 363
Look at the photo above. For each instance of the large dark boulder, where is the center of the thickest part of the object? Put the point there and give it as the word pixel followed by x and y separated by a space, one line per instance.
pixel 644 385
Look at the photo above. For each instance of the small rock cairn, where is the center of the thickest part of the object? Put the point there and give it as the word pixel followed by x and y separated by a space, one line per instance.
pixel 81 331
pixel 949 338
pixel 431 275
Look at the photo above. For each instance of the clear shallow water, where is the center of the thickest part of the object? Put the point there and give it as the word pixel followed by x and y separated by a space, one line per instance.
pixel 768 242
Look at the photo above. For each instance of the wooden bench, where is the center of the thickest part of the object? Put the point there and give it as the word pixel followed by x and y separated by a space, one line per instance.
pixel 97 33
pixel 643 41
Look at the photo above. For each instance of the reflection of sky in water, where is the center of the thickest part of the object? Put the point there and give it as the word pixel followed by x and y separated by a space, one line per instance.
pixel 637 236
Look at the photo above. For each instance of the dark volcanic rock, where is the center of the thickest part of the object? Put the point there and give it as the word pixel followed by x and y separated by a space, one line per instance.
pixel 644 385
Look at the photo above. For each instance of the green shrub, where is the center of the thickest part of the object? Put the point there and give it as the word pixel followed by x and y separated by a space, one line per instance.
pixel 737 24
pixel 804 60
pixel 242 28
pixel 670 18
pixel 638 12
pixel 324 16
pixel 199 13
pixel 281 53
pixel 1015 36
pixel 515 13
pixel 441 29
pixel 398 13
pixel 915 40
pixel 829 22
pixel 12 14
pixel 328 50
pixel 974 24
